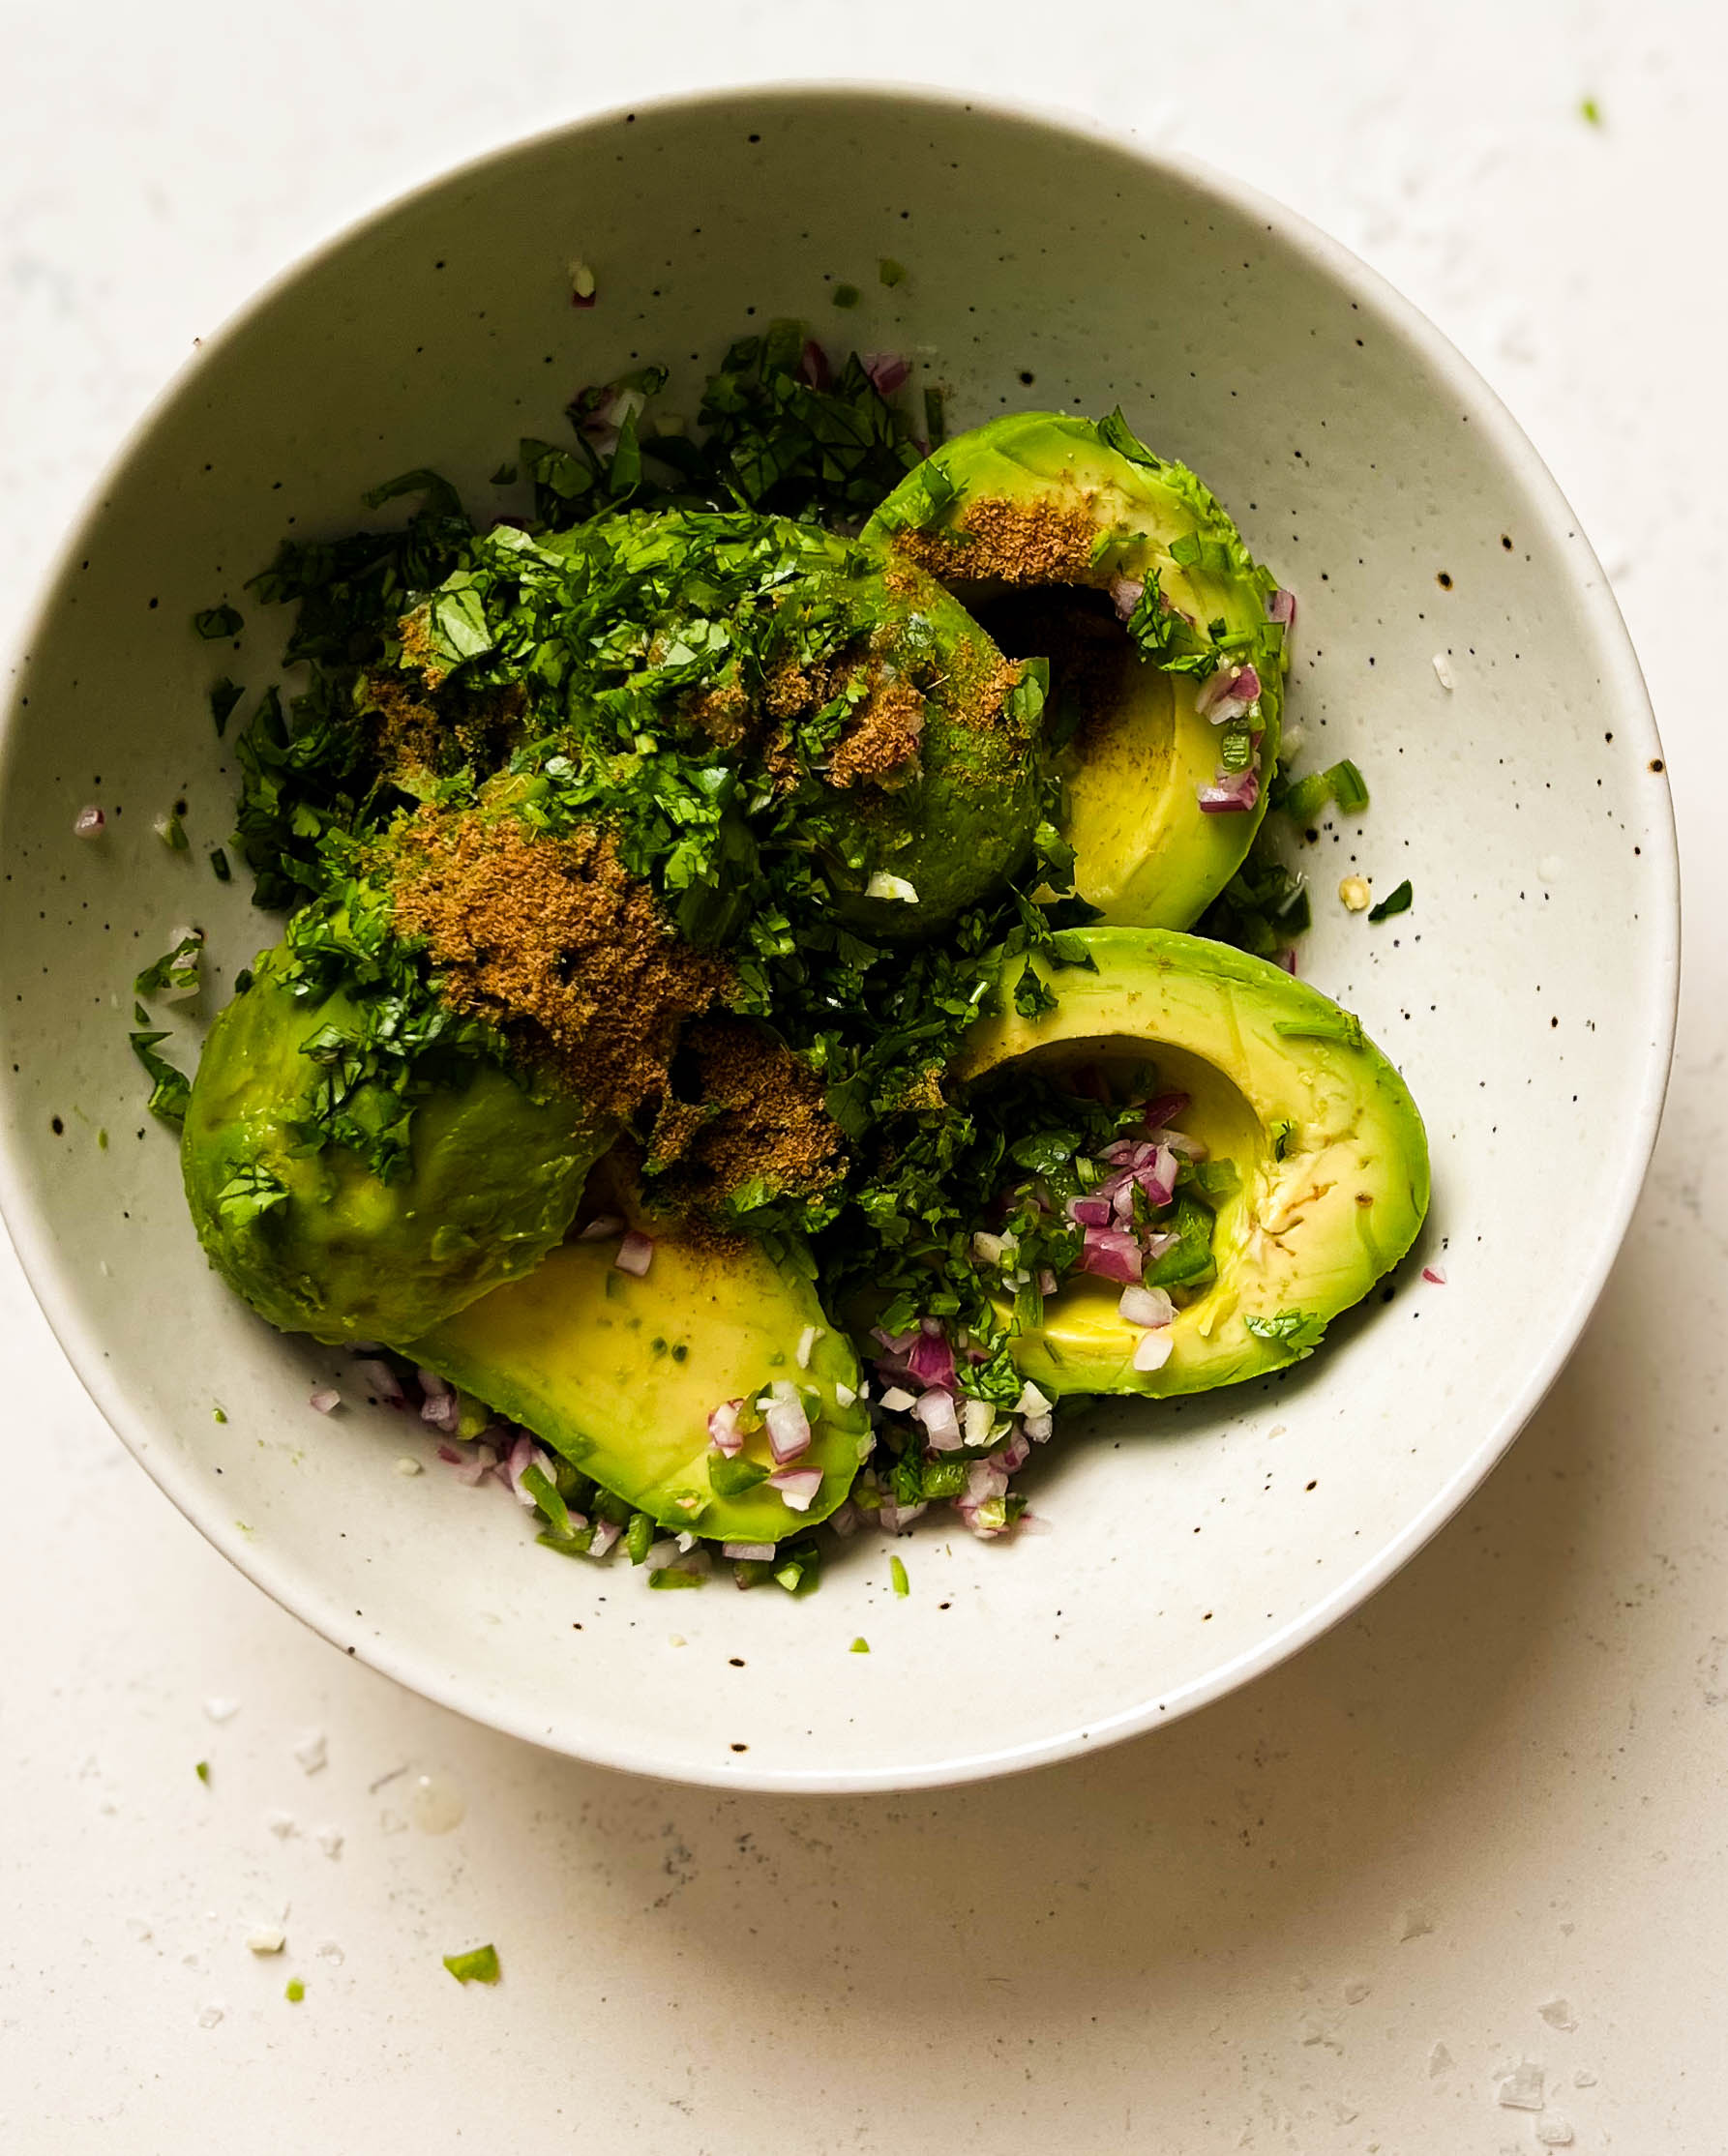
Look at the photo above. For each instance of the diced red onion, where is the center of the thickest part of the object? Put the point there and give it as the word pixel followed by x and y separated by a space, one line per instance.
pixel 1094 1210
pixel 1281 605
pixel 1015 1454
pixel 897 1399
pixel 985 1479
pixel 887 371
pixel 442 1404
pixel 524 1454
pixel 1048 1283
pixel 1433 1274
pixel 1287 959
pixel 1147 1306
pixel 326 1399
pixel 449 1453
pixel 797 1485
pixel 1110 1255
pixel 891 1518
pixel 1178 1141
pixel 812 365
pixel 601 1228
pixel 606 1534
pixel 89 823
pixel 661 1555
pixel 1125 594
pixel 931 1360
pixel 1031 1401
pixel 1039 1427
pixel 1228 693
pixel 477 1465
pixel 380 1380
pixel 724 1432
pixel 934 1409
pixel 1153 1349
pixel 788 1429
pixel 1156 1242
pixel 748 1553
pixel 1163 1112
pixel 1231 793
pixel 977 1419
pixel 583 292
pixel 635 1254
pixel 843 1519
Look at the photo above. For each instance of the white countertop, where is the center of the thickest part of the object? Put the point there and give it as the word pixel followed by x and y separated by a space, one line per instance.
pixel 1481 1825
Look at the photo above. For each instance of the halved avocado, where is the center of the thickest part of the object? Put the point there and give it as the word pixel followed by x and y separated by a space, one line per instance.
pixel 313 1240
pixel 1328 1147
pixel 931 782
pixel 1044 525
pixel 621 1375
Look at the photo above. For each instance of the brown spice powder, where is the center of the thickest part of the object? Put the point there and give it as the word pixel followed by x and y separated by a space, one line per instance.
pixel 880 746
pixel 759 1112
pixel 1012 543
pixel 555 942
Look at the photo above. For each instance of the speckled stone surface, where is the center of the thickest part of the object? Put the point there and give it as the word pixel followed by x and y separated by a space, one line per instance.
pixel 1476 1830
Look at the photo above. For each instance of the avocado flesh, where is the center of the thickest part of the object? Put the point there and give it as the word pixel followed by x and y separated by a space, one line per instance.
pixel 1146 853
pixel 493 1180
pixel 621 1375
pixel 1309 1232
pixel 963 823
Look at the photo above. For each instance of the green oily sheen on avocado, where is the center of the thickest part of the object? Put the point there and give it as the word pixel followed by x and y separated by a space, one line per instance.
pixel 961 827
pixel 622 1374
pixel 964 824
pixel 1145 854
pixel 496 1178
pixel 1273 1069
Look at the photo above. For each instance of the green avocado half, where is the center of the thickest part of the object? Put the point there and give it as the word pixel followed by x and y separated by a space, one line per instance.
pixel 620 1373
pixel 315 1241
pixel 1330 1151
pixel 943 831
pixel 1069 538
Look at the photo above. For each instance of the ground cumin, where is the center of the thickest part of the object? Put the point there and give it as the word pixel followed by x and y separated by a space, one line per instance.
pixel 879 745
pixel 416 737
pixel 555 942
pixel 753 1109
pixel 1011 543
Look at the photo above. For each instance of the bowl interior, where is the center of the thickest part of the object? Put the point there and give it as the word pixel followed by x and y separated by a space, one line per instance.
pixel 1527 995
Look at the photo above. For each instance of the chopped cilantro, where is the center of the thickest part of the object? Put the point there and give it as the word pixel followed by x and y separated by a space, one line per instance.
pixel 216 622
pixel 479 1965
pixel 847 295
pixel 890 271
pixel 170 1089
pixel 1299 1330
pixel 175 971
pixel 202 1770
pixel 294 1991
pixel 1591 111
pixel 1395 902
pixel 897 1574
pixel 219 865
pixel 224 696
pixel 859 1645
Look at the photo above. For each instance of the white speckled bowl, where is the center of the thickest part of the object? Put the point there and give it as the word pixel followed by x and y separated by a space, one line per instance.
pixel 1528 996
